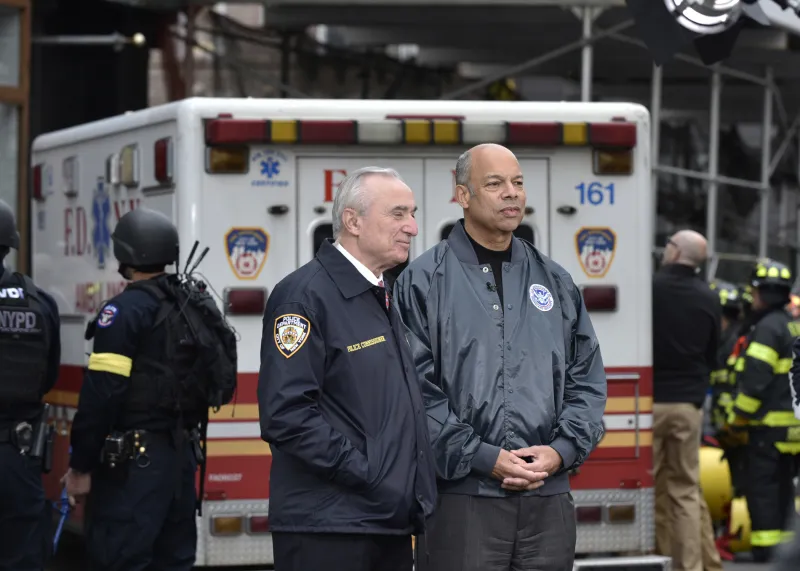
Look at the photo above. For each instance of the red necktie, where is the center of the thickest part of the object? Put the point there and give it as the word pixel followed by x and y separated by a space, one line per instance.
pixel 386 293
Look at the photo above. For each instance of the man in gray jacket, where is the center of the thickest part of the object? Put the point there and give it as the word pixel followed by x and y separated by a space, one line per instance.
pixel 512 377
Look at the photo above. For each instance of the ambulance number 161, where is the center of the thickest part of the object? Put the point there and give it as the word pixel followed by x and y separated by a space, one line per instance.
pixel 596 193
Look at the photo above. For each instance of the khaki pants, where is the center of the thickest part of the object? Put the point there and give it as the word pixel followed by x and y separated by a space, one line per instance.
pixel 710 555
pixel 682 531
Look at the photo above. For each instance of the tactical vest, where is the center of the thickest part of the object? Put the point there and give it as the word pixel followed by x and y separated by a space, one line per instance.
pixel 161 391
pixel 24 342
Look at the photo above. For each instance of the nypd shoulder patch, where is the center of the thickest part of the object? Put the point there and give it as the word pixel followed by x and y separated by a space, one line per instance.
pixel 541 298
pixel 291 333
pixel 107 316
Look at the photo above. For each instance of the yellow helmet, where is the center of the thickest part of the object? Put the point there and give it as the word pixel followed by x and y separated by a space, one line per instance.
pixel 739 526
pixel 715 481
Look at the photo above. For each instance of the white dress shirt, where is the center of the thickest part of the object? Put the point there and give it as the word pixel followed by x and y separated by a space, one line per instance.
pixel 363 270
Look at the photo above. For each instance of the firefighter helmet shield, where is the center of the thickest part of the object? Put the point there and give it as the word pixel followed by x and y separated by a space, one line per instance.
pixel 144 238
pixel 9 236
pixel 715 481
pixel 729 295
pixel 771 273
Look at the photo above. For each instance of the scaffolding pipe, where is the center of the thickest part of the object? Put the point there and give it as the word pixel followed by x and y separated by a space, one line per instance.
pixel 655 143
pixel 726 71
pixel 538 60
pixel 587 55
pixel 766 141
pixel 712 204
pixel 706 177
pixel 788 138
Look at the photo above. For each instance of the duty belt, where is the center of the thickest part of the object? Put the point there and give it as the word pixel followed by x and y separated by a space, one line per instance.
pixel 20 435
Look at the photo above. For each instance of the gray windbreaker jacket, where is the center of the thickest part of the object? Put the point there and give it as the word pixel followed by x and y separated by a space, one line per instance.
pixel 524 375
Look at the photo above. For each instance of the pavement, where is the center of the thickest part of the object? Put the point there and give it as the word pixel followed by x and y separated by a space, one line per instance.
pixel 69 557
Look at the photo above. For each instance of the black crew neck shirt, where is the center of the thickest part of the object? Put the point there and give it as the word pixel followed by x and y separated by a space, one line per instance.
pixel 495 259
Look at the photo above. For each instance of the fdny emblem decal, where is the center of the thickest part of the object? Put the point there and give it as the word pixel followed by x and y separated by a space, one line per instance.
pixel 247 250
pixel 291 333
pixel 107 316
pixel 595 247
pixel 541 297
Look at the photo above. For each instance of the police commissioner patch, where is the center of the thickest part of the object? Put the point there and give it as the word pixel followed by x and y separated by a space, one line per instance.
pixel 291 333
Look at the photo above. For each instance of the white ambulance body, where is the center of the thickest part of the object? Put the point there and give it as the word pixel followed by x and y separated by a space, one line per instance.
pixel 253 180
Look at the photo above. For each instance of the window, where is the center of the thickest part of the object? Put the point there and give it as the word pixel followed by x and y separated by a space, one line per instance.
pixel 523 231
pixel 324 231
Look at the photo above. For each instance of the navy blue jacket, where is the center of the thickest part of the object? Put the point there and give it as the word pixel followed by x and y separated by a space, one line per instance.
pixel 341 407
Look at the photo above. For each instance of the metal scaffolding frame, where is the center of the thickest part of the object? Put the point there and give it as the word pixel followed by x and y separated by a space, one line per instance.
pixel 769 161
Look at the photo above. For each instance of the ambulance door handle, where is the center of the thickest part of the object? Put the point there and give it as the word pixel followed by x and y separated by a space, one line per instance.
pixel 529 210
pixel 278 209
pixel 566 210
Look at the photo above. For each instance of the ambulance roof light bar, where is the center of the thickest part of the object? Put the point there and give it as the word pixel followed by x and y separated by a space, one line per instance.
pixel 612 134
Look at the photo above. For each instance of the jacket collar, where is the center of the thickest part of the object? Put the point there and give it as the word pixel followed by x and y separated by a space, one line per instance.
pixel 679 270
pixel 343 273
pixel 462 247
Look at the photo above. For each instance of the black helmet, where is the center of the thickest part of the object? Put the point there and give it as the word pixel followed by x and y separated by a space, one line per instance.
pixel 747 295
pixel 771 274
pixel 145 238
pixel 729 296
pixel 9 237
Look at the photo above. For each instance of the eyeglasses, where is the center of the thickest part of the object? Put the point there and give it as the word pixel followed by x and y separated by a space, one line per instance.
pixel 670 241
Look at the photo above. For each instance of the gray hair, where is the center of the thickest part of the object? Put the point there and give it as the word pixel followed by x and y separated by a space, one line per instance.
pixel 463 167
pixel 352 194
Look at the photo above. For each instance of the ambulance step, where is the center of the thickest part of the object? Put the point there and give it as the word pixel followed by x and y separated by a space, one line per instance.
pixel 637 563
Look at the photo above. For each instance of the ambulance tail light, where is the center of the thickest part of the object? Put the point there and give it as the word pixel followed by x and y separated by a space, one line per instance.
pixel 257 524
pixel 613 161
pixel 227 525
pixel 245 301
pixel 589 514
pixel 227 160
pixel 36 183
pixel 162 155
pixel 600 298
pixel 622 514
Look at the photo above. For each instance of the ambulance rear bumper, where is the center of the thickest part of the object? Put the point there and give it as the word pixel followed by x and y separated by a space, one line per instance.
pixel 639 563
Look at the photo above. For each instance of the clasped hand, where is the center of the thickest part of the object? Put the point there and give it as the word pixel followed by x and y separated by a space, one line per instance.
pixel 519 475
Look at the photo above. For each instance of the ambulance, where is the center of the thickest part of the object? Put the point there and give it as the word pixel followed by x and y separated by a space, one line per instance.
pixel 254 179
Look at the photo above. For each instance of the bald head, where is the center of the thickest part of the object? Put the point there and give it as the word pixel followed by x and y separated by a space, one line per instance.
pixel 479 159
pixel 691 248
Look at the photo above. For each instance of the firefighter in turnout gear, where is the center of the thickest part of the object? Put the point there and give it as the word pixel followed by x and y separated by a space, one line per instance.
pixel 30 352
pixel 762 410
pixel 723 385
pixel 721 390
pixel 135 438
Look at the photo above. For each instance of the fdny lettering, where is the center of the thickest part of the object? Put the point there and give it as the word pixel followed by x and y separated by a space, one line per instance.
pixel 89 297
pixel 12 293
pixel 365 344
pixel 333 178
pixel 291 333
pixel 76 226
pixel 455 194
pixel 18 321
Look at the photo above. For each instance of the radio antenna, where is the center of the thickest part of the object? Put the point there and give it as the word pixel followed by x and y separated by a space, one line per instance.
pixel 191 255
pixel 200 259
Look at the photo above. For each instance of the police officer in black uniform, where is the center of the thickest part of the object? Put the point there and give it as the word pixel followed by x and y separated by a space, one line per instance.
pixel 127 454
pixel 30 351
pixel 763 409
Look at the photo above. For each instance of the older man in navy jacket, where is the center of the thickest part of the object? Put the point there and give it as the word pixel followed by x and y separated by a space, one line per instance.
pixel 339 399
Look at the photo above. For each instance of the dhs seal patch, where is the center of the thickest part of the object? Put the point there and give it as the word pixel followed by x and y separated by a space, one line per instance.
pixel 291 333
pixel 595 247
pixel 107 316
pixel 541 298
